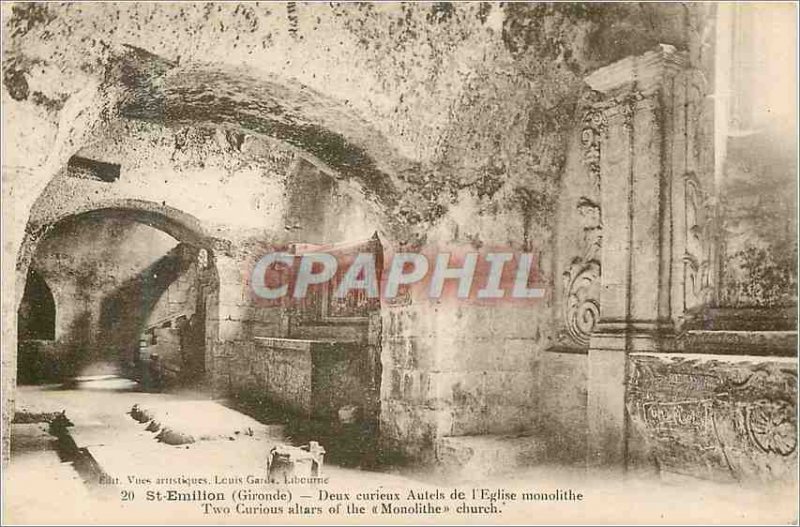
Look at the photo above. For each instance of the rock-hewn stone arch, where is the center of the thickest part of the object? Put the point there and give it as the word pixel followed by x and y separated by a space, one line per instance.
pixel 328 132
pixel 178 224
pixel 140 86
pixel 182 226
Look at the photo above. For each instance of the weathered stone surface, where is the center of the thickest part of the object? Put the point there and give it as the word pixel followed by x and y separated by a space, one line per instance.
pixel 713 417
pixel 562 405
pixel 312 379
pixel 236 130
pixel 759 259
pixel 473 458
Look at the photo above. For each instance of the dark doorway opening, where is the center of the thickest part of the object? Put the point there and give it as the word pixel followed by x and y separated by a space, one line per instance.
pixel 36 318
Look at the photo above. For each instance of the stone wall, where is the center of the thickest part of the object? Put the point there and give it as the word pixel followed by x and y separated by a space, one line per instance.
pixel 308 379
pixel 86 263
pixel 759 187
pixel 42 361
pixel 458 370
pixel 562 410
pixel 175 327
pixel 714 417
pixel 126 312
pixel 459 135
pixel 178 300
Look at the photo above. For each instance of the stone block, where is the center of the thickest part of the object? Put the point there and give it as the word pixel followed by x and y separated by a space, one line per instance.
pixel 391 384
pixel 231 293
pixel 467 388
pixel 418 354
pixel 470 419
pixel 513 419
pixel 237 312
pixel 510 388
pixel 267 314
pixel 408 428
pixel 212 327
pixel 270 328
pixel 454 321
pixel 515 321
pixel 396 351
pixel 410 388
pixel 439 391
pixel 234 330
pixel 519 354
pixel 413 320
pixel 714 417
pixel 606 408
pixel 463 354
pixel 410 352
pixel 562 403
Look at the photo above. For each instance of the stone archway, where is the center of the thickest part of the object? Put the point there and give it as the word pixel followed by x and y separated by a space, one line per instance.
pixel 327 131
pixel 178 224
pixel 186 230
pixel 146 88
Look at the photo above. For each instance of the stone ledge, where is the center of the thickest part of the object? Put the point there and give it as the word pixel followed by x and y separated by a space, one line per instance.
pixel 303 344
pixel 721 342
pixel 564 348
pixel 728 342
pixel 781 318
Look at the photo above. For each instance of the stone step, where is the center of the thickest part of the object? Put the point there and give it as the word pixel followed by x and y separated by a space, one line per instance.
pixel 480 456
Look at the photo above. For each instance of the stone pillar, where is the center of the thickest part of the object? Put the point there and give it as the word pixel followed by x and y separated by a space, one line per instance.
pixel 223 325
pixel 635 115
pixel 20 188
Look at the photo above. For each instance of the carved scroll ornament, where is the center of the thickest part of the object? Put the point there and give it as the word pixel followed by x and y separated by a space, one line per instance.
pixel 582 279
pixel 594 129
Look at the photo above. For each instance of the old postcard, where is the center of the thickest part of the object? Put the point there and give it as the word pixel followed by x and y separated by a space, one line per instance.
pixel 374 263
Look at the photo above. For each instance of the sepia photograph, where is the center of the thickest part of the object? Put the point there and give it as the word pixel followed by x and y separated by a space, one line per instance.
pixel 399 263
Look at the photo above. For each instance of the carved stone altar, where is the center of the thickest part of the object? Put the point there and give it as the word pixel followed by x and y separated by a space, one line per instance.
pixel 715 419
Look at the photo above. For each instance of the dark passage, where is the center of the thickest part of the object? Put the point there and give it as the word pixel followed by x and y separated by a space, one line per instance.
pixel 36 319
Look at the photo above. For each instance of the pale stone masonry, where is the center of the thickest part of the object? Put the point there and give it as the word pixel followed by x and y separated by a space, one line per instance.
pixel 586 135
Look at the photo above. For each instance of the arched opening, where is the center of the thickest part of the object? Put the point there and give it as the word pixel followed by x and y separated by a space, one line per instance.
pixel 36 316
pixel 346 150
pixel 36 329
pixel 144 343
pixel 136 286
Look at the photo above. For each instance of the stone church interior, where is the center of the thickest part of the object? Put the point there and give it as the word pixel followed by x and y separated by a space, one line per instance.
pixel 645 153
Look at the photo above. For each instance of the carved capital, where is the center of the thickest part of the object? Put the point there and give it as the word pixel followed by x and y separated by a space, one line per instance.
pixel 644 72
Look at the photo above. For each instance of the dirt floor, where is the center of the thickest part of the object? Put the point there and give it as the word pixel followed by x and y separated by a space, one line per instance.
pixel 102 469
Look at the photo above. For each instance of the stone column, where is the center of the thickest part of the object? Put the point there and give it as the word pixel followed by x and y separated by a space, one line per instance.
pixel 223 322
pixel 21 186
pixel 636 173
